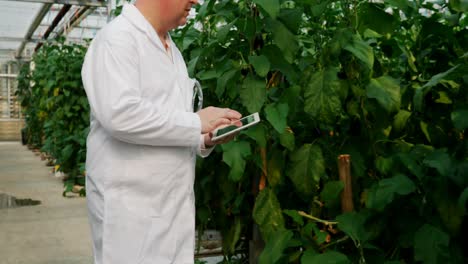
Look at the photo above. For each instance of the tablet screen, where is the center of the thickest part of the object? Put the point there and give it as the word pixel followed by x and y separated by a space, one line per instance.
pixel 245 121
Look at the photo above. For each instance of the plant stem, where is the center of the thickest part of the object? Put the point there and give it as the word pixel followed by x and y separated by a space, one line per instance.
pixel 326 222
pixel 343 239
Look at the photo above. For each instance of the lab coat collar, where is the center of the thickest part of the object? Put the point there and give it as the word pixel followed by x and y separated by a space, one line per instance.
pixel 135 17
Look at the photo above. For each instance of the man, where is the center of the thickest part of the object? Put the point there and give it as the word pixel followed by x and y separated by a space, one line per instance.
pixel 143 138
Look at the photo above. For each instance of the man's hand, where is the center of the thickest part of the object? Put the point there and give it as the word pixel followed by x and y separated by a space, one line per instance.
pixel 210 143
pixel 213 117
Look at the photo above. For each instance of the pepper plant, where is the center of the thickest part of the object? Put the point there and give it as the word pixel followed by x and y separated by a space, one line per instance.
pixel 57 110
pixel 385 82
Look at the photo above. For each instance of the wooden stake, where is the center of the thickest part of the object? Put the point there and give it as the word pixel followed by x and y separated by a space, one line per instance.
pixel 263 177
pixel 344 169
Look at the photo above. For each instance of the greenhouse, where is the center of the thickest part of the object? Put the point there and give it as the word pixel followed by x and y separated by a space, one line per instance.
pixel 354 148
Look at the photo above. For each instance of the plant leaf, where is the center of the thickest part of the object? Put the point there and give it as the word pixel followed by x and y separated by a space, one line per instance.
pixel 307 166
pixel 329 257
pixel 295 216
pixel 361 50
pixel 386 91
pixel 421 92
pixel 267 213
pixel 353 225
pixel 382 193
pixel 261 64
pixel 277 115
pixel 331 192
pixel 287 140
pixel 400 120
pixel 258 134
pixel 322 96
pixel 234 155
pixel 459 119
pixel 275 246
pixel 253 94
pixel 223 81
pixel 284 39
pixel 440 160
pixel 272 7
pixel 430 243
pixel 275 167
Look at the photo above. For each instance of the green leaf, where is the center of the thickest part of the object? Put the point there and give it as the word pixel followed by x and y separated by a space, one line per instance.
pixel 258 134
pixel 449 211
pixel 386 91
pixel 306 167
pixel 253 94
pixel 361 50
pixel 224 31
pixel 287 140
pixel 401 4
pixel 275 246
pixel 292 96
pixel 190 37
pixel 459 5
pixel 353 225
pixel 436 79
pixel 459 119
pixel 284 39
pixel 463 199
pixel 207 75
pixel 400 120
pixel 272 7
pixel 261 64
pixel 331 192
pixel 384 165
pixel 443 98
pixel 382 193
pixel 369 33
pixel 425 131
pixel 191 66
pixel 234 155
pixel 411 164
pixel 318 9
pixel 322 96
pixel 429 243
pixel 223 81
pixel 374 17
pixel 439 160
pixel 295 216
pixel 275 167
pixel 278 62
pixel 277 115
pixel 320 235
pixel 66 153
pixel 267 213
pixel 233 236
pixel 329 257
pixel 292 18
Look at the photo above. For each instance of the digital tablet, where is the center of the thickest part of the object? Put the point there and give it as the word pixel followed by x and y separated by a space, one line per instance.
pixel 247 121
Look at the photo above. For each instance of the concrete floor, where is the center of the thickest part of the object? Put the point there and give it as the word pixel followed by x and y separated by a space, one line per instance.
pixel 54 232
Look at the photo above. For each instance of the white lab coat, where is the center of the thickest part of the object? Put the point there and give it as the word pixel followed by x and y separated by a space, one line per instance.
pixel 142 146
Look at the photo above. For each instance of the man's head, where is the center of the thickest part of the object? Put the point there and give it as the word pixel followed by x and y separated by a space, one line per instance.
pixel 165 15
pixel 176 11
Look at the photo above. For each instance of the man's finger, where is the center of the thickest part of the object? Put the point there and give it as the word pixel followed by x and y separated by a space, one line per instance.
pixel 232 114
pixel 220 121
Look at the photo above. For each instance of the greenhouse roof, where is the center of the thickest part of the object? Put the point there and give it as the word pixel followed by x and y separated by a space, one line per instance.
pixel 26 24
